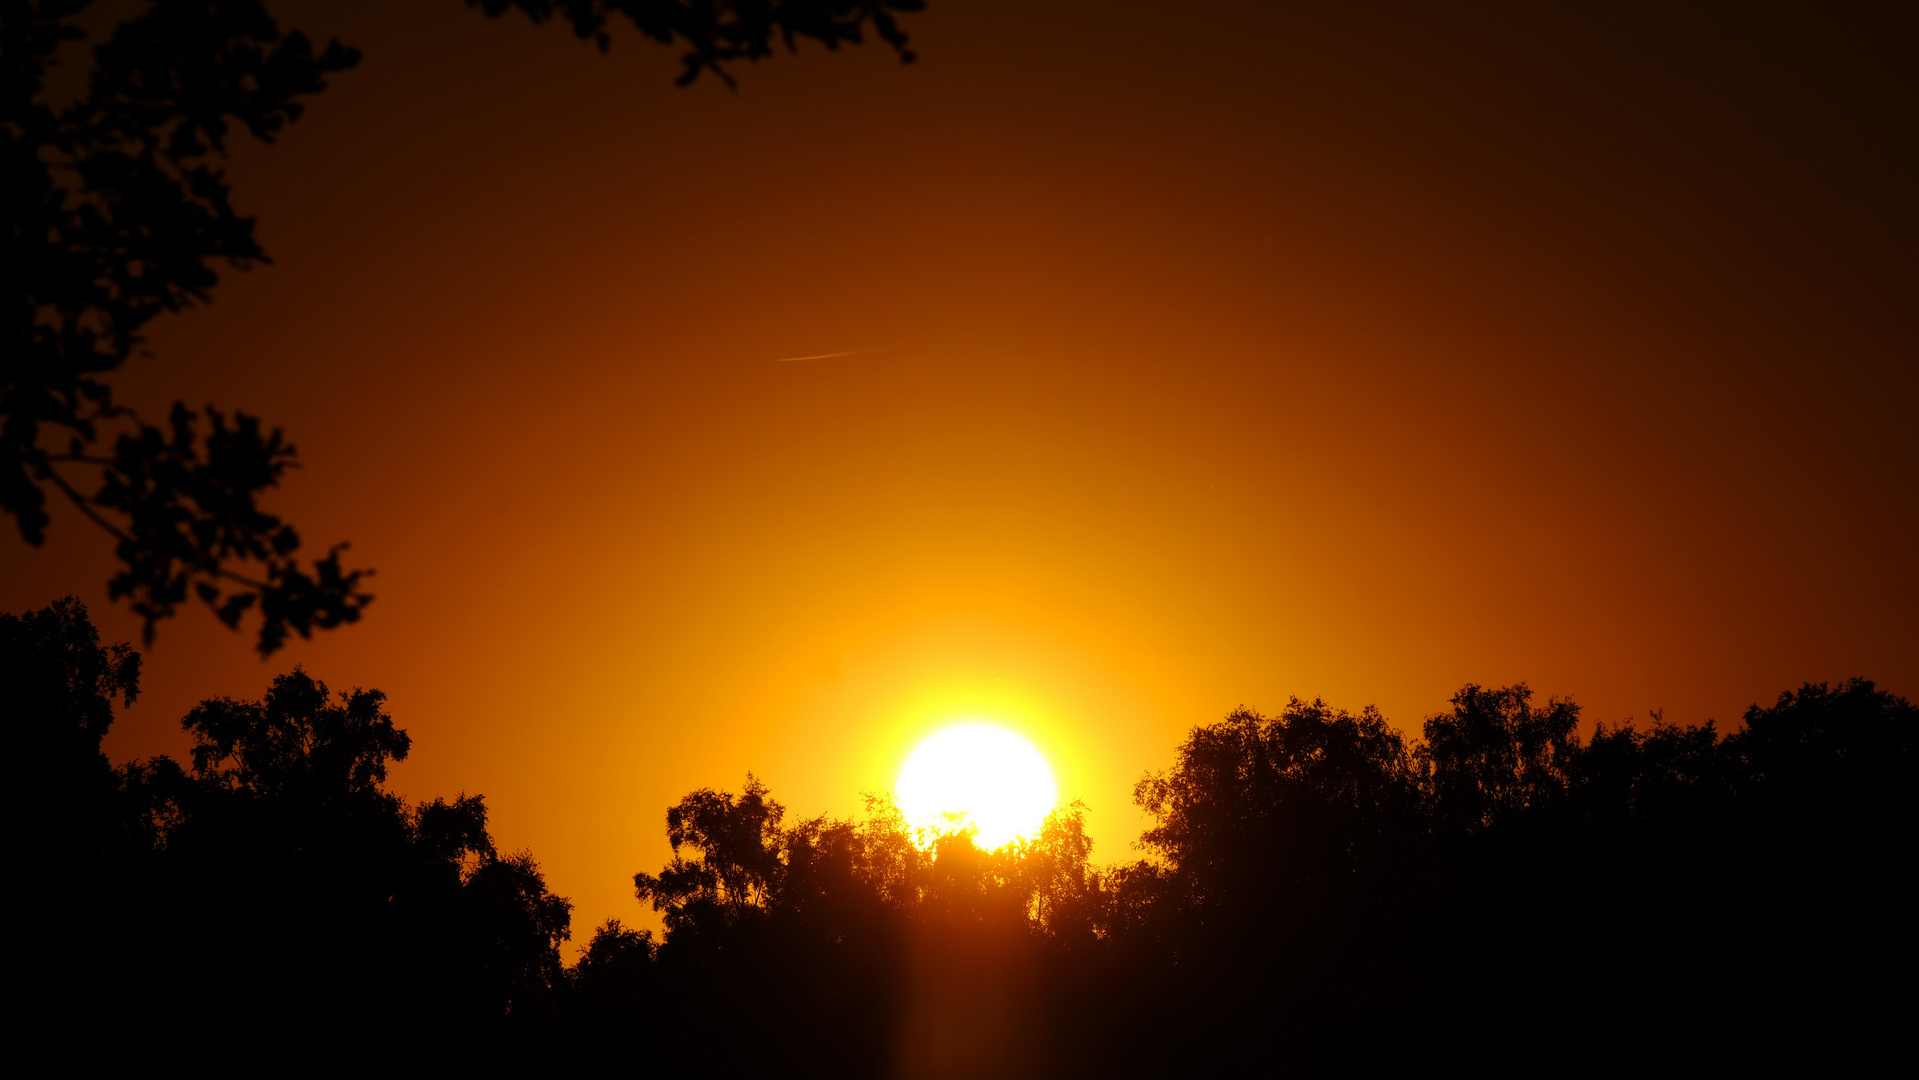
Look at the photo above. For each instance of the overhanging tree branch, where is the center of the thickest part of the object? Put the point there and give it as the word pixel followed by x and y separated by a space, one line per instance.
pixel 118 211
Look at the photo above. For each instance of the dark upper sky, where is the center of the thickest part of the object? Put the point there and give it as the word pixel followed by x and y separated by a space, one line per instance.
pixel 1182 361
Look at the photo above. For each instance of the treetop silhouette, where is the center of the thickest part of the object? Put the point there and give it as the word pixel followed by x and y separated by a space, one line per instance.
pixel 1318 892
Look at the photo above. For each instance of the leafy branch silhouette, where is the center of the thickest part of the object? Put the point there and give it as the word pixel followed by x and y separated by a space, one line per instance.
pixel 119 211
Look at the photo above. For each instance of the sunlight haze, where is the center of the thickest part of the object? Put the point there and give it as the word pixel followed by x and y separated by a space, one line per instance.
pixel 978 778
pixel 1134 370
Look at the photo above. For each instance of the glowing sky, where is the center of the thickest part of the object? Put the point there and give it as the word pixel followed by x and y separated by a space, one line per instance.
pixel 1156 367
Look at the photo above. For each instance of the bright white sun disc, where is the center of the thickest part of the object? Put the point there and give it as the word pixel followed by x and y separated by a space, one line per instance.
pixel 980 776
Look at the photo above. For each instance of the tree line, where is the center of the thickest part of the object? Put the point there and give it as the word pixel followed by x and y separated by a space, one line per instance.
pixel 1316 894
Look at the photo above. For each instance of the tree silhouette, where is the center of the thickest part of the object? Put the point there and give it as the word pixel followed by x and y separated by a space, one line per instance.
pixel 334 905
pixel 1320 894
pixel 1302 800
pixel 119 211
pixel 74 818
pixel 737 868
pixel 274 891
pixel 59 684
pixel 1495 757
pixel 717 32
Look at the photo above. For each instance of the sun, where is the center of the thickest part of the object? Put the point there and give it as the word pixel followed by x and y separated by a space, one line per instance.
pixel 977 776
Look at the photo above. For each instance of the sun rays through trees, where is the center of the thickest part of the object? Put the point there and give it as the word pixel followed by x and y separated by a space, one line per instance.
pixel 1315 891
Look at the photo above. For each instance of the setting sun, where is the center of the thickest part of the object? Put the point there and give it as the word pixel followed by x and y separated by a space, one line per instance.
pixel 923 539
pixel 977 776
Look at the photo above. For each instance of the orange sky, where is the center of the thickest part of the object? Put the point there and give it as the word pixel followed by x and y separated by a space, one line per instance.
pixel 1187 365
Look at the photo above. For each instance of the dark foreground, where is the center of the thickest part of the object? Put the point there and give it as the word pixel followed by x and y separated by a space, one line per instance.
pixel 1320 897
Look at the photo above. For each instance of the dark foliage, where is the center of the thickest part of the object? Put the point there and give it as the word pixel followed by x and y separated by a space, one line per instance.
pixel 119 211
pixel 1321 896
pixel 61 684
pixel 1318 895
pixel 714 32
pixel 273 896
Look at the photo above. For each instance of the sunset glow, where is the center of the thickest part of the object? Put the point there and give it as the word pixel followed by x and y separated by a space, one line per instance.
pixel 980 777
pixel 972 430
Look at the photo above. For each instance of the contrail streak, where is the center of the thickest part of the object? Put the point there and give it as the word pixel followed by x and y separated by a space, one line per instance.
pixel 822 356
